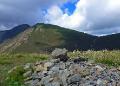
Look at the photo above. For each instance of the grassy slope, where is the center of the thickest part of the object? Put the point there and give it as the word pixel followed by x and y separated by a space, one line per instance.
pixel 45 37
pixel 8 61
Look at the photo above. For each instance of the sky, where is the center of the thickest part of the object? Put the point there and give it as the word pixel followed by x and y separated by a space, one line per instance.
pixel 97 17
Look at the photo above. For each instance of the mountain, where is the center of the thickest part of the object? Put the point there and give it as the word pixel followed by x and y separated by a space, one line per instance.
pixel 8 34
pixel 46 37
pixel 109 42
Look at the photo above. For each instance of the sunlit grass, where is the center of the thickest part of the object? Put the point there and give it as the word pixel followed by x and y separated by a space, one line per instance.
pixel 111 58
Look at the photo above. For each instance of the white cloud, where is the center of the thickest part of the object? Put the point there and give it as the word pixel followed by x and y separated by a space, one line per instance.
pixel 56 16
pixel 91 16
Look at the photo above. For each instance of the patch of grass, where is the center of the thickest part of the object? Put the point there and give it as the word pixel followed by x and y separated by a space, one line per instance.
pixel 8 61
pixel 15 77
pixel 111 58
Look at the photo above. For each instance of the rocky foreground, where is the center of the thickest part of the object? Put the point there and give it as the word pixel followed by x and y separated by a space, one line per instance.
pixel 56 73
pixel 62 71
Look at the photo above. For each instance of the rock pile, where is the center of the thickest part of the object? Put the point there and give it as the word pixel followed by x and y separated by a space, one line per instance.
pixel 54 73
pixel 58 72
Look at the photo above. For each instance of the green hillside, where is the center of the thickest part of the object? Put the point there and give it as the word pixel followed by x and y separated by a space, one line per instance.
pixel 46 37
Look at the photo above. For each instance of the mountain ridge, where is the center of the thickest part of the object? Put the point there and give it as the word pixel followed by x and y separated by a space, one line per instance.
pixel 7 34
pixel 45 37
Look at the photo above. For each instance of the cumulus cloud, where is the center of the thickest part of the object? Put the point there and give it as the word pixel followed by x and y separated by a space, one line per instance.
pixel 91 16
pixel 56 16
pixel 15 12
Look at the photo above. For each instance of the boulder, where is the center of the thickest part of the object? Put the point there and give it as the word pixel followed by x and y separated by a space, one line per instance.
pixel 60 54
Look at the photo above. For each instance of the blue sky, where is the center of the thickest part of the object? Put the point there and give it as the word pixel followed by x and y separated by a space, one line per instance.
pixel 97 17
pixel 70 6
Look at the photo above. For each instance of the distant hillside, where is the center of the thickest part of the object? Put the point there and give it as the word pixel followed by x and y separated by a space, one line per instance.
pixel 8 34
pixel 109 42
pixel 46 37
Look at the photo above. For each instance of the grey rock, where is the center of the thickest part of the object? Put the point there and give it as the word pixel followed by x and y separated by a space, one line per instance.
pixel 74 79
pixel 60 54
pixel 45 80
pixel 70 73
pixel 62 65
pixel 37 76
pixel 100 82
pixel 55 69
pixel 50 72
